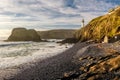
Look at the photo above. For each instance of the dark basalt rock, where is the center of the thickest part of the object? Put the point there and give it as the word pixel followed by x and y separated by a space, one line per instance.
pixel 69 40
pixel 98 62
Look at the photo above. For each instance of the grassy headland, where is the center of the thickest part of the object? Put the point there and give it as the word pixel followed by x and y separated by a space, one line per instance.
pixel 96 29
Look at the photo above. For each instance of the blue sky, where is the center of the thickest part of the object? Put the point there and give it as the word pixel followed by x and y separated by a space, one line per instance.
pixel 51 14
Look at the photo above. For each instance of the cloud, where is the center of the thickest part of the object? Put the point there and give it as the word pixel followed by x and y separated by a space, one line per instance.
pixel 38 13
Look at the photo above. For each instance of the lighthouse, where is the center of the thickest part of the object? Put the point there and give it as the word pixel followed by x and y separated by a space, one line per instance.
pixel 83 22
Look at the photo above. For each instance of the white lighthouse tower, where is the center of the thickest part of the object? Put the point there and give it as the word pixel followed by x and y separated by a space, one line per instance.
pixel 83 21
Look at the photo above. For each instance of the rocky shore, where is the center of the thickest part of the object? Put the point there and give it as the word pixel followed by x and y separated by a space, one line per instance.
pixel 84 61
pixel 49 69
pixel 97 62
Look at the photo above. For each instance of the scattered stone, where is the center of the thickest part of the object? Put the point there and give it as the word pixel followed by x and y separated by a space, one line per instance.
pixel 82 69
pixel 105 39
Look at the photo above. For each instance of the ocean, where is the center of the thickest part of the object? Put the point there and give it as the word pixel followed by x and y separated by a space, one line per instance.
pixel 17 53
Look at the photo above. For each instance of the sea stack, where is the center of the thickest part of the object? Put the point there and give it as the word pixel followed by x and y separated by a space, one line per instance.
pixel 22 34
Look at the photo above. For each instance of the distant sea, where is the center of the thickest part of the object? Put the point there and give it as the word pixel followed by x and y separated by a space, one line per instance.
pixel 4 34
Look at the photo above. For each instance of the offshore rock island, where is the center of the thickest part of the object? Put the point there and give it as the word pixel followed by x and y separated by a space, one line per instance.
pixel 22 34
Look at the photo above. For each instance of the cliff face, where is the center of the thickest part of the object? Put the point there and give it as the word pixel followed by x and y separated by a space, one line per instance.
pixel 22 34
pixel 106 25
pixel 57 34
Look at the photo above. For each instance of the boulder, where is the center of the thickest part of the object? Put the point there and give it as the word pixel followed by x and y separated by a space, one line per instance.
pixel 22 34
pixel 115 38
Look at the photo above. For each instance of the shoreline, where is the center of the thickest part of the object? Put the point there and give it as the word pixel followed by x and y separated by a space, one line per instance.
pixel 13 54
pixel 50 68
pixel 75 63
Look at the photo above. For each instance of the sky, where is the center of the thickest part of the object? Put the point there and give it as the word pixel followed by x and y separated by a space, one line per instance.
pixel 51 14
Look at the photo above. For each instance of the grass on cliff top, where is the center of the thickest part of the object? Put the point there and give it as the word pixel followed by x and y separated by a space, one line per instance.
pixel 107 25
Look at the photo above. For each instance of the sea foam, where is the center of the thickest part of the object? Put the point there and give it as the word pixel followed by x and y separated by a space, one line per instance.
pixel 17 53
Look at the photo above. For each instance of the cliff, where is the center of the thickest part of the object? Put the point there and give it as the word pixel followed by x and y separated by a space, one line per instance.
pixel 57 34
pixel 106 25
pixel 22 34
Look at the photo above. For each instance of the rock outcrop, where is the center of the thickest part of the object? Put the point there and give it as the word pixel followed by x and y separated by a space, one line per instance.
pixel 106 25
pixel 22 34
pixel 57 34
pixel 97 62
pixel 68 40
